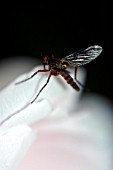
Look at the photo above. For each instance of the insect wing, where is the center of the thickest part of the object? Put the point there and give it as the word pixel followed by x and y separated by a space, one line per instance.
pixel 83 56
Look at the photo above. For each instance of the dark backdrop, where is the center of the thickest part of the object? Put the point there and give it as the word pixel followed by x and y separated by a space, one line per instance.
pixel 61 29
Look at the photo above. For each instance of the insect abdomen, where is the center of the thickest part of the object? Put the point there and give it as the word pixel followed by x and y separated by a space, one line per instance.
pixel 69 80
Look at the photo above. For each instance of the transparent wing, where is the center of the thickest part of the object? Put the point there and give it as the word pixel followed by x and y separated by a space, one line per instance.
pixel 83 56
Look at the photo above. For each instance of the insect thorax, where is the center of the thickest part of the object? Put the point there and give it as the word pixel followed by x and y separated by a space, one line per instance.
pixel 63 65
pixel 57 63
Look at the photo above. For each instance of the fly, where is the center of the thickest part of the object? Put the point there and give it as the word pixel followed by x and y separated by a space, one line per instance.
pixel 58 66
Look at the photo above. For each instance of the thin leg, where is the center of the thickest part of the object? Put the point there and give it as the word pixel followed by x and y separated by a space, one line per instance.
pixel 32 76
pixel 41 88
pixel 76 78
pixel 75 72
pixel 44 66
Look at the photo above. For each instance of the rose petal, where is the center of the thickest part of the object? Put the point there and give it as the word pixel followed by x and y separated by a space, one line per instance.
pixel 15 97
pixel 32 113
pixel 13 146
pixel 12 67
pixel 83 141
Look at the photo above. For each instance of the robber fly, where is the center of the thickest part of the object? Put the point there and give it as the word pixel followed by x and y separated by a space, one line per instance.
pixel 58 66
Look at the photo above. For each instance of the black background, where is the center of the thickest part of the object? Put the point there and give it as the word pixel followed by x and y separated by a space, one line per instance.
pixel 61 29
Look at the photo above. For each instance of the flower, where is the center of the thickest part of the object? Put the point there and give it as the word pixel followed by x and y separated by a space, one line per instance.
pixel 58 131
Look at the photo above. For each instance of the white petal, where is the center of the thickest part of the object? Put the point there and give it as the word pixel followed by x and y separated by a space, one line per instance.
pixel 12 67
pixel 83 141
pixel 15 97
pixel 32 113
pixel 13 146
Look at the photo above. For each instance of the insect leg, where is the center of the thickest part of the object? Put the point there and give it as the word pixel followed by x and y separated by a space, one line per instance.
pixel 44 66
pixel 32 76
pixel 75 72
pixel 76 78
pixel 41 88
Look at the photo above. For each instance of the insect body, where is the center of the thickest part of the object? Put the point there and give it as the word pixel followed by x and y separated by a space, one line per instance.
pixel 59 66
